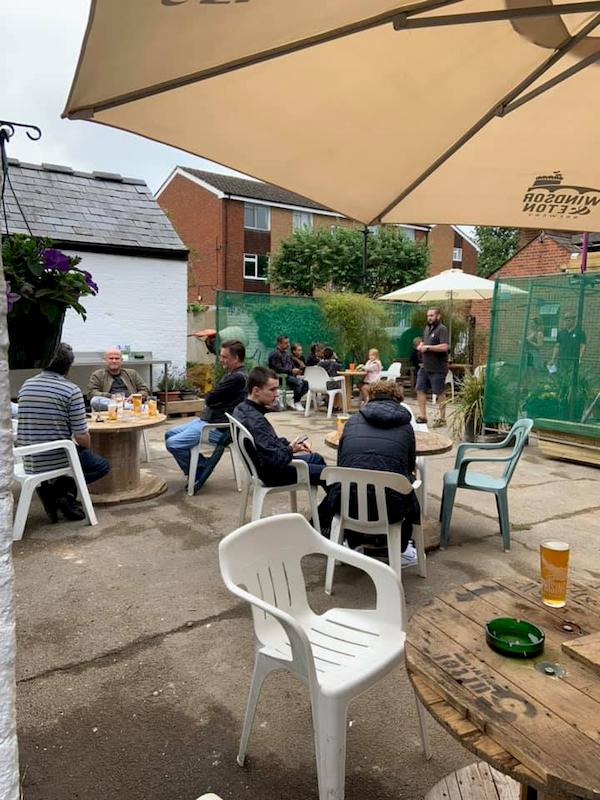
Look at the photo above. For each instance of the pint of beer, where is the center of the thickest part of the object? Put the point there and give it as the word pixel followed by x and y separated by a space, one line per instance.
pixel 136 402
pixel 112 412
pixel 554 565
pixel 152 409
pixel 342 419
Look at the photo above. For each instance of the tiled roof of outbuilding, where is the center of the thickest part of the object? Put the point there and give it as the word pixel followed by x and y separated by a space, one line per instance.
pixel 85 208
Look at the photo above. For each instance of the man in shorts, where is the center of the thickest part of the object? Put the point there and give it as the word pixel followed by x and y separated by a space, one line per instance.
pixel 432 374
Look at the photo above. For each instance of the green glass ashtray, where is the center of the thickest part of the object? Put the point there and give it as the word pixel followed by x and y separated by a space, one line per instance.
pixel 514 637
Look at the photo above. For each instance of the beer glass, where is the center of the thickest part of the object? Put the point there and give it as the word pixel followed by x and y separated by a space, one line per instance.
pixel 136 402
pixel 112 412
pixel 341 420
pixel 152 408
pixel 554 565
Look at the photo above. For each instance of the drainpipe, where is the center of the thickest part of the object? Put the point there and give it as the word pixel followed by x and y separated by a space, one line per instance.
pixel 9 757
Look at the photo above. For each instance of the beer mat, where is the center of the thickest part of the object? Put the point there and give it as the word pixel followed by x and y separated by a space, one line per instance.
pixel 585 649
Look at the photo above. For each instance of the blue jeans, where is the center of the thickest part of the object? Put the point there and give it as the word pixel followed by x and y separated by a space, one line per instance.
pixel 94 466
pixel 286 475
pixel 180 440
pixel 298 385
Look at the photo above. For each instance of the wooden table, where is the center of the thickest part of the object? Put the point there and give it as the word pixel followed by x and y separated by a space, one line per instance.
pixel 348 376
pixel 543 731
pixel 119 442
pixel 428 443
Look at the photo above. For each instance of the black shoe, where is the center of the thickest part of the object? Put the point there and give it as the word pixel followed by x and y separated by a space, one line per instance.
pixel 46 494
pixel 70 508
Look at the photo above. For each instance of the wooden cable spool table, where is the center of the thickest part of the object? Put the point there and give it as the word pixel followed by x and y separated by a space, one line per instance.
pixel 541 728
pixel 349 374
pixel 428 443
pixel 119 442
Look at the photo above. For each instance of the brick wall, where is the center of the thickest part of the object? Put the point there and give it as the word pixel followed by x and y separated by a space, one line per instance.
pixel 196 215
pixel 233 227
pixel 542 256
pixel 441 244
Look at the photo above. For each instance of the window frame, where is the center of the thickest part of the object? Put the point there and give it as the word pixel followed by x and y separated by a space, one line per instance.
pixel 455 251
pixel 254 207
pixel 304 214
pixel 254 258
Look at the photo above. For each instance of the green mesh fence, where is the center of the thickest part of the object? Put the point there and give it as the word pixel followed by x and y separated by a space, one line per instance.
pixel 544 351
pixel 263 317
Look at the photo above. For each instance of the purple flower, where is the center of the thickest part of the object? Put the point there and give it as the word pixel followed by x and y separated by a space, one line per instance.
pixel 54 259
pixel 87 276
pixel 11 297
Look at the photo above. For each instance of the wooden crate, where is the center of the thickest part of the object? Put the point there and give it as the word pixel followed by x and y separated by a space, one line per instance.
pixel 569 441
pixel 188 407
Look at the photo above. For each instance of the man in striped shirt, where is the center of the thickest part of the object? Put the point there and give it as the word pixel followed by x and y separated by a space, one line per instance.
pixel 51 407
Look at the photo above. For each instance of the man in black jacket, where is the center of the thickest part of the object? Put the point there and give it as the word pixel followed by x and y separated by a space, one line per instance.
pixel 273 453
pixel 230 391
pixel 381 437
pixel 280 361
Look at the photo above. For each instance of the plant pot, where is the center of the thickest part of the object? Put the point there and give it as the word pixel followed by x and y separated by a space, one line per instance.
pixel 171 396
pixel 470 434
pixel 33 339
pixel 189 395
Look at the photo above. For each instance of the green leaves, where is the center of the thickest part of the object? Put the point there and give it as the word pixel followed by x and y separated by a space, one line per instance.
pixel 358 324
pixel 332 259
pixel 497 246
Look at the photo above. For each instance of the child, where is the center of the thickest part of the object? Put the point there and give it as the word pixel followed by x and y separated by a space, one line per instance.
pixel 373 369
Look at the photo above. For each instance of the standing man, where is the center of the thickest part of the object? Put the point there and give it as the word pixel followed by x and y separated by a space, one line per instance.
pixel 50 408
pixel 273 453
pixel 570 346
pixel 230 391
pixel 114 379
pixel 280 361
pixel 432 373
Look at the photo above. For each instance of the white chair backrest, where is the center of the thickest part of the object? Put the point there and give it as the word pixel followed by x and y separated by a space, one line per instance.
pixel 394 370
pixel 243 444
pixel 317 378
pixel 363 478
pixel 410 411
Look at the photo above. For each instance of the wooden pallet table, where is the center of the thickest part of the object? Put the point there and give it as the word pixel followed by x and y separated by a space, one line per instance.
pixel 540 729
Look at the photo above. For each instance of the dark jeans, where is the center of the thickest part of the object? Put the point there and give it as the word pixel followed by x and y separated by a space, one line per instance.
pixel 298 385
pixel 94 467
pixel 287 475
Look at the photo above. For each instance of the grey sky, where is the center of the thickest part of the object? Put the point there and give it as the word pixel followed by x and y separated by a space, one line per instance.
pixel 40 45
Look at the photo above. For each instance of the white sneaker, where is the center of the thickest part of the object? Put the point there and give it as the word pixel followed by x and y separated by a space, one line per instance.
pixel 409 556
pixel 291 404
pixel 298 406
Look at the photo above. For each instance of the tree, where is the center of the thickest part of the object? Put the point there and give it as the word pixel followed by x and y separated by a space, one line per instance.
pixel 358 323
pixel 332 259
pixel 497 246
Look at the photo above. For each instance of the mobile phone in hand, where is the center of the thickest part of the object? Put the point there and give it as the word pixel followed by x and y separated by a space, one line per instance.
pixel 302 438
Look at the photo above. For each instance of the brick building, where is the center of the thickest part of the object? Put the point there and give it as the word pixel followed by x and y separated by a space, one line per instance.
pixel 231 226
pixel 451 247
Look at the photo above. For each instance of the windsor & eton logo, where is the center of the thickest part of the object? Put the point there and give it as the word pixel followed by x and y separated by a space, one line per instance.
pixel 548 196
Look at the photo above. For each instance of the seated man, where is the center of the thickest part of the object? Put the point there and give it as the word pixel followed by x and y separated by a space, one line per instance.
pixel 381 437
pixel 51 407
pixel 280 361
pixel 273 453
pixel 230 391
pixel 114 379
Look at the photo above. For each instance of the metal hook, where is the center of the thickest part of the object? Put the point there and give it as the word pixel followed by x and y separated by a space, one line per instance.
pixel 8 128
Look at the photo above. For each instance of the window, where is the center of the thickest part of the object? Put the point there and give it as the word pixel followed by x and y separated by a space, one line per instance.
pixel 457 254
pixel 302 219
pixel 256 267
pixel 257 218
pixel 549 316
pixel 409 233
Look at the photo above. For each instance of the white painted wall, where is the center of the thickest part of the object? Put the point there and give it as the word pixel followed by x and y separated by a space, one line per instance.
pixel 141 302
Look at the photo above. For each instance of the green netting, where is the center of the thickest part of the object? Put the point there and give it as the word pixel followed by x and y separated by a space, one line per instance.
pixel 263 317
pixel 535 366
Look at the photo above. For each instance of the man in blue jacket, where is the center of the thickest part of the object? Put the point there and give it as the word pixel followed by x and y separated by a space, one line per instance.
pixel 273 453
pixel 230 391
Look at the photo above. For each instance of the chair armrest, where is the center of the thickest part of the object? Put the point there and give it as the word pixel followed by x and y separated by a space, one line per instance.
pixel 464 464
pixel 301 649
pixel 464 446
pixel 45 447
pixel 211 426
pixel 388 587
pixel 302 473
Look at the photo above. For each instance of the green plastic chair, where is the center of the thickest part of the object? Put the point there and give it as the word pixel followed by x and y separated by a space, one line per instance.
pixel 458 478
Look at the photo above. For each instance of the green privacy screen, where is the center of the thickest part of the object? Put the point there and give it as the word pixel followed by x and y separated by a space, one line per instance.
pixel 544 350
pixel 263 317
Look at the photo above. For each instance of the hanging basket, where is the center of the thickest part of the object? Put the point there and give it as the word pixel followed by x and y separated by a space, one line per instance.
pixel 33 339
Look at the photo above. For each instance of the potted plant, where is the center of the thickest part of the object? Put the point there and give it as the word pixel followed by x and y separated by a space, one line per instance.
pixel 170 384
pixel 467 416
pixel 186 387
pixel 41 284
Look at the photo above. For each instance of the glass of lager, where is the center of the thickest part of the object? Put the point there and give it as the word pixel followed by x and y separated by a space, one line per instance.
pixel 112 411
pixel 341 421
pixel 136 402
pixel 554 565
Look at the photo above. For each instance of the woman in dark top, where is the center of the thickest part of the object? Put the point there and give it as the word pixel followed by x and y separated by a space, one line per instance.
pixel 316 351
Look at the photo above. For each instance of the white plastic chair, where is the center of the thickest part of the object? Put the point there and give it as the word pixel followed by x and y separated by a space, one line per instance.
pixel 317 385
pixel 380 481
pixel 393 371
pixel 448 380
pixel 243 445
pixel 31 480
pixel 337 655
pixel 195 455
pixel 421 462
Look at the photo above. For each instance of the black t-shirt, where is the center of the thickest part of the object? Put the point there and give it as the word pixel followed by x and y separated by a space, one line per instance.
pixel 118 386
pixel 569 343
pixel 435 361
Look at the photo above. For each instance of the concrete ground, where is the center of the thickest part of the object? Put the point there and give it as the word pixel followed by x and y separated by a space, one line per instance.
pixel 134 661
